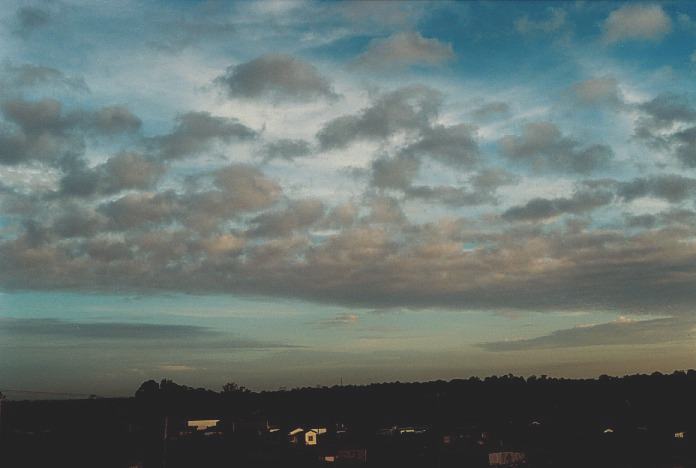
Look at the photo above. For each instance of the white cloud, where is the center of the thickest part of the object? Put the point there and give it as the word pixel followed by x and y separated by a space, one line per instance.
pixel 405 49
pixel 636 22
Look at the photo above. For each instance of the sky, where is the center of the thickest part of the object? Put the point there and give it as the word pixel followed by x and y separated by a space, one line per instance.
pixel 288 194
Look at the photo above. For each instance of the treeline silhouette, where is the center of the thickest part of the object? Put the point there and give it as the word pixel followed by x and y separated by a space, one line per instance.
pixel 552 417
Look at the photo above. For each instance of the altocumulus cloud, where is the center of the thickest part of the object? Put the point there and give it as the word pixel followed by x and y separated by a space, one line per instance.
pixel 404 49
pixel 278 77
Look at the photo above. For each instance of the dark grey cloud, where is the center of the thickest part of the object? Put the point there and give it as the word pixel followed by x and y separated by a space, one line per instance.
pixel 686 146
pixel 236 189
pixel 277 77
pixel 646 221
pixel 668 108
pixel 542 146
pixel 197 132
pixel 30 18
pixel 299 214
pixel 543 208
pixel 341 216
pixel 490 179
pixel 287 149
pixel 379 261
pixel 138 209
pixel 384 210
pixel 454 145
pixel 99 330
pixel 113 120
pixel 450 195
pixel 620 332
pixel 404 49
pixel 138 335
pixel 125 171
pixel 77 221
pixel 481 189
pixel 30 76
pixel 394 173
pixel 43 131
pixel 411 108
pixel 659 126
pixel 39 131
pixel 670 187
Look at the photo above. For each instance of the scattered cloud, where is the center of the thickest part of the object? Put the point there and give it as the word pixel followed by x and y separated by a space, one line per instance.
pixel 623 331
pixel 196 132
pixel 543 147
pixel 277 77
pixel 637 21
pixel 410 108
pixel 491 109
pixel 404 49
pixel 30 18
pixel 598 91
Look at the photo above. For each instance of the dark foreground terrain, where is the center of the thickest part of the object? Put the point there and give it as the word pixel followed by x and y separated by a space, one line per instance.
pixel 634 421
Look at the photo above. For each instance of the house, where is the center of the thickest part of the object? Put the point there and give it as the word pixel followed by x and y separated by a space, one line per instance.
pixel 295 435
pixel 200 425
pixel 310 437
pixel 345 455
pixel 506 459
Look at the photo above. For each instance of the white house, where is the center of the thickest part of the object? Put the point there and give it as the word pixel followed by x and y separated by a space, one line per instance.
pixel 202 424
pixel 310 437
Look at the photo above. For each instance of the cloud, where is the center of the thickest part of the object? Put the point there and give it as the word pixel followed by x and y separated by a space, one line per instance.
pixel 299 214
pixel 454 145
pixel 543 208
pixel 491 109
pixel 662 125
pixel 481 189
pixel 42 131
pixel 405 109
pixel 598 91
pixel 31 76
pixel 113 120
pixel 668 108
pixel 686 146
pixel 394 173
pixel 30 18
pixel 139 209
pixel 670 187
pixel 340 320
pixel 623 331
pixel 450 195
pixel 404 49
pixel 639 21
pixel 384 210
pixel 287 149
pixel 138 335
pixel 196 132
pixel 125 171
pixel 99 330
pixel 277 77
pixel 555 21
pixel 543 146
